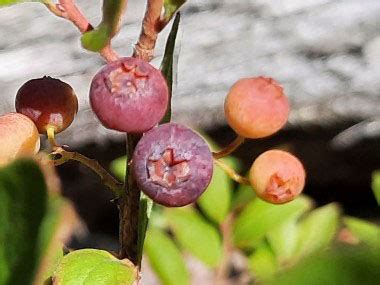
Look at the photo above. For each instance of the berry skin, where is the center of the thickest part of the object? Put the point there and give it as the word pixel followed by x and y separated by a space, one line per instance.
pixel 18 137
pixel 277 176
pixel 172 165
pixel 129 95
pixel 256 107
pixel 47 102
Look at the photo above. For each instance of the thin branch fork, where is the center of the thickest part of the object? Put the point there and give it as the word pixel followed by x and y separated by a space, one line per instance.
pixel 67 9
pixel 108 179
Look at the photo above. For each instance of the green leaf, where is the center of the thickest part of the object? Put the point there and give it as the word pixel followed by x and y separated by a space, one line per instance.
pixel 195 235
pixel 259 218
pixel 119 167
pixel 317 230
pixel 23 201
pixel 165 258
pixel 346 266
pixel 364 230
pixel 167 63
pixel 283 240
pixel 170 7
pixel 145 210
pixel 99 37
pixel 215 201
pixel 93 266
pixel 376 185
pixel 242 196
pixel 11 2
pixel 96 39
pixel 55 229
pixel 262 263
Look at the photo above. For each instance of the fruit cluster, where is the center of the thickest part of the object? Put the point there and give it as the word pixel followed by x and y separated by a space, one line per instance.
pixel 171 163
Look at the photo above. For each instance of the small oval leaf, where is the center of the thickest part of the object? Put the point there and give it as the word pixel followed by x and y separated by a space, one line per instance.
pixel 195 235
pixel 215 201
pixel 23 206
pixel 259 217
pixel 317 230
pixel 165 258
pixel 93 266
pixel 283 240
pixel 262 263
pixel 365 231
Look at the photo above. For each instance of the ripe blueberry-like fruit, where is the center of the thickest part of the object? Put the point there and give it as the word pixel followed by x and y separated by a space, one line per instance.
pixel 18 136
pixel 277 176
pixel 256 107
pixel 129 95
pixel 172 165
pixel 47 102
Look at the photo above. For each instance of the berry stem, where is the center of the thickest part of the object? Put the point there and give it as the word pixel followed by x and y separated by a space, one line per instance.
pixel 129 208
pixel 232 173
pixel 51 136
pixel 67 9
pixel 108 180
pixel 226 229
pixel 229 148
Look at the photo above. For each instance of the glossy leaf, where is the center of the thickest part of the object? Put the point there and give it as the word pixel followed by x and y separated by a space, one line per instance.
pixel 99 37
pixel 171 7
pixel 262 262
pixel 169 63
pixel 318 229
pixel 194 234
pixel 165 258
pixel 376 185
pixel 258 218
pixel 365 231
pixel 215 201
pixel 93 266
pixel 23 202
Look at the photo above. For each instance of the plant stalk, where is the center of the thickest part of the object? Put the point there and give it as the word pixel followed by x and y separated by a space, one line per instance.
pixel 129 204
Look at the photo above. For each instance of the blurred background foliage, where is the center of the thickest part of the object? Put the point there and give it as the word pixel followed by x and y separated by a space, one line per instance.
pixel 294 243
pixel 317 244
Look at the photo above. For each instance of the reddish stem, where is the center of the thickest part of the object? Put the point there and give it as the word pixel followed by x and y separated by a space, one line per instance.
pixel 230 148
pixel 151 26
pixel 223 268
pixel 67 9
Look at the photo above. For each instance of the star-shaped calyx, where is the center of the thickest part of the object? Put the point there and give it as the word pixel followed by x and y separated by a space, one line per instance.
pixel 168 171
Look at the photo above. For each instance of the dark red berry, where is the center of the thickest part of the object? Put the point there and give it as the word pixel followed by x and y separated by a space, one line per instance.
pixel 172 165
pixel 129 95
pixel 48 102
